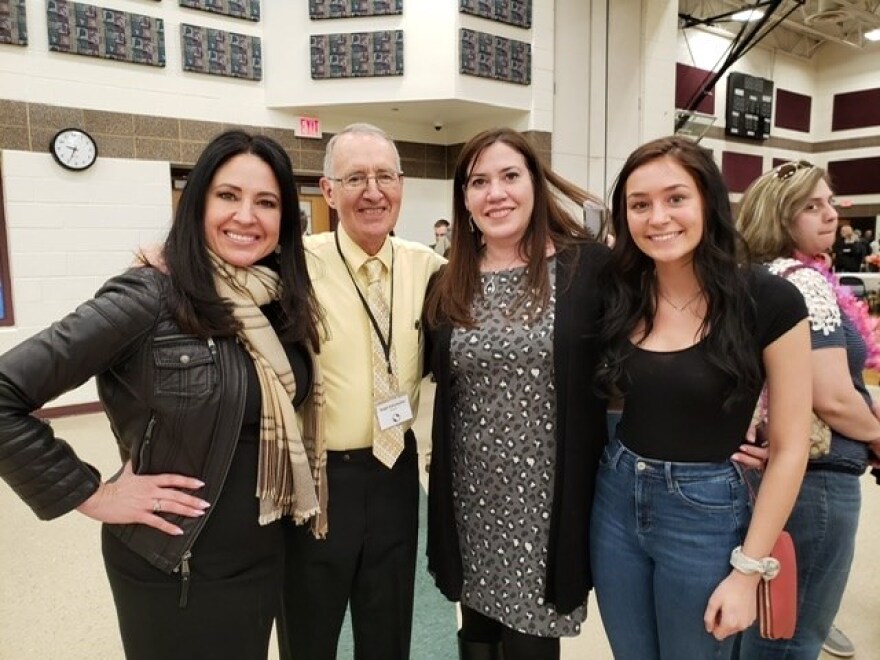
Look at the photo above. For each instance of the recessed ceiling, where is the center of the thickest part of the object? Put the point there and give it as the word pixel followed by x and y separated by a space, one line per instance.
pixel 799 27
pixel 444 112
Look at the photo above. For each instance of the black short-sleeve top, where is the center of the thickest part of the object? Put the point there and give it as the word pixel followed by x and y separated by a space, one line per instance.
pixel 674 400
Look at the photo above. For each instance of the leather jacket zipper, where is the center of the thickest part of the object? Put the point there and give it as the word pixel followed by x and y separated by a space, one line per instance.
pixel 183 567
pixel 184 579
pixel 144 451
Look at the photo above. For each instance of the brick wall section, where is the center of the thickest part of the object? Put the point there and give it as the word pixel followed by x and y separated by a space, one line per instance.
pixel 30 127
pixel 541 140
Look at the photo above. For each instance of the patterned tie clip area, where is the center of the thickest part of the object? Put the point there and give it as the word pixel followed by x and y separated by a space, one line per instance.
pixel 387 444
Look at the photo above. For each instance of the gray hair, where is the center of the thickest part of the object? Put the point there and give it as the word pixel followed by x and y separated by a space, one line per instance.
pixel 359 128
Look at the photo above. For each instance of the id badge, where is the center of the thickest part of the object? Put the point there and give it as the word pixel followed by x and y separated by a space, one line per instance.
pixel 393 412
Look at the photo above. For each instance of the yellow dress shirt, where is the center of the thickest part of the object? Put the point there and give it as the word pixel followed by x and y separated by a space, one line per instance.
pixel 346 353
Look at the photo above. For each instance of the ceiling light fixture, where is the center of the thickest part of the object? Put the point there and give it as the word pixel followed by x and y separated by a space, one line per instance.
pixel 747 15
pixel 873 35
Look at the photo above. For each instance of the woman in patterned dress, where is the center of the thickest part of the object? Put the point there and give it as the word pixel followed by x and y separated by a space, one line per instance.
pixel 517 433
pixel 788 217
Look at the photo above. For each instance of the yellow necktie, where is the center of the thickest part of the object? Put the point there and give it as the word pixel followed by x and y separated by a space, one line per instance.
pixel 387 444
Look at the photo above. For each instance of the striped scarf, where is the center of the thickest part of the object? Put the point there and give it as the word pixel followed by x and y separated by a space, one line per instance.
pixel 285 485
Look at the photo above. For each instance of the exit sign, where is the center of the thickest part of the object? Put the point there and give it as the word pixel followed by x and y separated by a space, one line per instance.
pixel 308 127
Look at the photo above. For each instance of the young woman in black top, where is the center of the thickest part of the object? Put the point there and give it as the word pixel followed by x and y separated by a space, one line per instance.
pixel 691 332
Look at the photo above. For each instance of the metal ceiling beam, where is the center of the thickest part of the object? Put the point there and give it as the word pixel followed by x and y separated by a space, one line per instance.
pixel 798 27
pixel 872 17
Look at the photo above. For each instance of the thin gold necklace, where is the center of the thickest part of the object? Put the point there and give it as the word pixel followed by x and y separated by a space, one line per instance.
pixel 681 309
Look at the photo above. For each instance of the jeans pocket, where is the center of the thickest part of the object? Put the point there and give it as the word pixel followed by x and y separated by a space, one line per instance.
pixel 709 494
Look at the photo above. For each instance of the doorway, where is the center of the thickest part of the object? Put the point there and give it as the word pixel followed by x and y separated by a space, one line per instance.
pixel 319 216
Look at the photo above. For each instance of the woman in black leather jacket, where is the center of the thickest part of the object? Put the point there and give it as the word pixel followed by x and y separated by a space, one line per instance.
pixel 198 389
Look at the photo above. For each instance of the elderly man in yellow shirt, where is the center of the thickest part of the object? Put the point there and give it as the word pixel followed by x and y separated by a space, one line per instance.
pixel 371 287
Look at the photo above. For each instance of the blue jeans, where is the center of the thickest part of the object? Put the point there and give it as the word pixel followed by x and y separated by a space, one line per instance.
pixel 823 526
pixel 660 542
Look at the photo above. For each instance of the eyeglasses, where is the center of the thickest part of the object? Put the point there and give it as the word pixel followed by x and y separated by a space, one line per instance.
pixel 787 170
pixel 360 181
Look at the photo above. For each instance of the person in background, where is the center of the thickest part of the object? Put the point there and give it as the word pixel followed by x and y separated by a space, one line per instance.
pixel 513 324
pixel 441 237
pixel 372 288
pixel 199 365
pixel 869 242
pixel 871 239
pixel 787 217
pixel 872 260
pixel 848 251
pixel 690 333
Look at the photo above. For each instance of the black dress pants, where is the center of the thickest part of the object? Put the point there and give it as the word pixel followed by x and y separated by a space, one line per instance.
pixel 235 591
pixel 368 560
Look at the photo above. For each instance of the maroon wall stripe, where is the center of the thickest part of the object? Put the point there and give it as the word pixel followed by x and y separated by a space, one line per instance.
pixel 740 170
pixel 688 80
pixel 793 110
pixel 858 176
pixel 856 110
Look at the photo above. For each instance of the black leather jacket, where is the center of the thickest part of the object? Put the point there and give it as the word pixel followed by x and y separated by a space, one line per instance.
pixel 175 404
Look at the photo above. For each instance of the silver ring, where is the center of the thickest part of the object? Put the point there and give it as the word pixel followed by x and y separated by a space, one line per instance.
pixel 157 506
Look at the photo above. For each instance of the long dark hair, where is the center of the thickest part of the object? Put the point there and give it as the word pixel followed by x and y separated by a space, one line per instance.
pixel 721 267
pixel 193 299
pixel 450 300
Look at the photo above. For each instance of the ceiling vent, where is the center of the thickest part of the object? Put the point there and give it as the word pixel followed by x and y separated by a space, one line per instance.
pixel 824 12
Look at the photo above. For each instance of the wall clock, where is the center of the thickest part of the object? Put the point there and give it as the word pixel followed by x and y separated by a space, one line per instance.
pixel 74 149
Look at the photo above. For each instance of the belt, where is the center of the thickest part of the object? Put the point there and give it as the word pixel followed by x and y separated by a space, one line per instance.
pixel 832 467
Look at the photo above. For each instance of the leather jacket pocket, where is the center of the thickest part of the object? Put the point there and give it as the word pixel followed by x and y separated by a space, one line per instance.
pixel 185 366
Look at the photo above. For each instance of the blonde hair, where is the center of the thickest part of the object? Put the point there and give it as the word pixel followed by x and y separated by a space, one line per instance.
pixel 769 206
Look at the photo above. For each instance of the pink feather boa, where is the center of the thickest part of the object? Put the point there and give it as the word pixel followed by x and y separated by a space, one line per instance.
pixel 856 310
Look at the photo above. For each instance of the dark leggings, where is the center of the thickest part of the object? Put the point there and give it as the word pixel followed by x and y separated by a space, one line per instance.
pixel 515 645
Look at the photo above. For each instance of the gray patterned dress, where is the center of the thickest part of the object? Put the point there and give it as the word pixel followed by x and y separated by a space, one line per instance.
pixel 503 457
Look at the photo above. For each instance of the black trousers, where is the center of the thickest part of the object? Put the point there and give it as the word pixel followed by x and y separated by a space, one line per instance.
pixel 235 592
pixel 368 560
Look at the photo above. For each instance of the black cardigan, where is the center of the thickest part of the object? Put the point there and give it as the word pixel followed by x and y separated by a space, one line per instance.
pixel 581 433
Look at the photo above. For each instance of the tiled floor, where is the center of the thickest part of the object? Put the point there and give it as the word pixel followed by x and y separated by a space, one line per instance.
pixel 55 602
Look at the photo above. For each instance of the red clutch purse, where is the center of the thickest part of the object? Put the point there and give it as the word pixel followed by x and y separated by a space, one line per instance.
pixel 777 598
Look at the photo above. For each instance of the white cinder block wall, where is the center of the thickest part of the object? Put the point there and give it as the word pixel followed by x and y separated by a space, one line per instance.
pixel 69 232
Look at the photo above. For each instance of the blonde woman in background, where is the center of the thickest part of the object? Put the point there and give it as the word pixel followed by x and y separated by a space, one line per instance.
pixel 789 221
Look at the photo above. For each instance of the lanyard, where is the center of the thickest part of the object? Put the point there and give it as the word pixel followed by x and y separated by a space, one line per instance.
pixel 385 343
